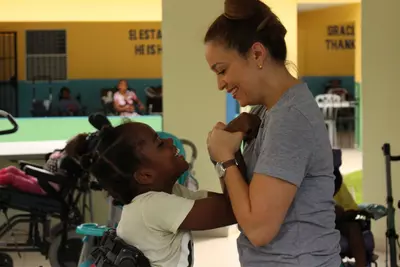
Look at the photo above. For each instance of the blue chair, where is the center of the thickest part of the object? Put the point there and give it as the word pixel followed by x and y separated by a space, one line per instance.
pixel 179 145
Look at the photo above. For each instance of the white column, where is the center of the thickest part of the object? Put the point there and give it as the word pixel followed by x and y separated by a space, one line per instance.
pixel 192 104
pixel 381 94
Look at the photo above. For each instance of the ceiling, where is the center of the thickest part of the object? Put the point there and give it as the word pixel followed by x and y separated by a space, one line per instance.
pixel 314 6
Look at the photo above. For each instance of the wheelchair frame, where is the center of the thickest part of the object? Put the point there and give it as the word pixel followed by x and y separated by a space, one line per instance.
pixel 64 205
pixel 391 235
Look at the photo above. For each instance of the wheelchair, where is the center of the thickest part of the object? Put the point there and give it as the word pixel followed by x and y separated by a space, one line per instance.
pixel 363 215
pixel 60 243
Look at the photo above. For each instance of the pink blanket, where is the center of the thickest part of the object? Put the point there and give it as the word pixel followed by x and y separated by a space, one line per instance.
pixel 12 176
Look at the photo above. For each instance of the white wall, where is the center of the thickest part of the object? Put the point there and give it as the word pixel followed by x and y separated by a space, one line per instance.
pixel 381 95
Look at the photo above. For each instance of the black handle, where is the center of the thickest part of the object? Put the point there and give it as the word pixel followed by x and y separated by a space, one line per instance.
pixel 386 153
pixel 386 149
pixel 11 119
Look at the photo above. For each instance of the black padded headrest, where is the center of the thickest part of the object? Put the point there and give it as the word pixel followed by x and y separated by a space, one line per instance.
pixel 70 166
pixel 98 121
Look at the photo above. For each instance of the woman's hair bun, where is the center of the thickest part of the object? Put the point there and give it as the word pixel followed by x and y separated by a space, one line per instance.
pixel 272 24
pixel 240 9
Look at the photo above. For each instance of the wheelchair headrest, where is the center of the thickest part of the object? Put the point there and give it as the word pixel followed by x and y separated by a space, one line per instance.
pixel 98 121
pixel 70 166
pixel 179 145
pixel 177 142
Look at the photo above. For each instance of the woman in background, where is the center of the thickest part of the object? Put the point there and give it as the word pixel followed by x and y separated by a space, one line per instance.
pixel 125 100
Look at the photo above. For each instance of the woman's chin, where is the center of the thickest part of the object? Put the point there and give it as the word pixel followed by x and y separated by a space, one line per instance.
pixel 243 103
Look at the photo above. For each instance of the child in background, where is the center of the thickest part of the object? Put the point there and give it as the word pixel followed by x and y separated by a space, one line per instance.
pixel 126 101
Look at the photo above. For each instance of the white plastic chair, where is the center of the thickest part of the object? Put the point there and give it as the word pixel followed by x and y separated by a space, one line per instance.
pixel 326 103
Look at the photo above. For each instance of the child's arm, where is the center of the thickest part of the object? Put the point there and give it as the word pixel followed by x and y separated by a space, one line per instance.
pixel 170 213
pixel 183 191
pixel 209 213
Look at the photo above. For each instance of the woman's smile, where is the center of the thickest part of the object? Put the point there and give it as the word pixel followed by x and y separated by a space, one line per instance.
pixel 234 91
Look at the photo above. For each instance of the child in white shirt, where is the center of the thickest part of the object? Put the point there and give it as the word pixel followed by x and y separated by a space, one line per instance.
pixel 140 170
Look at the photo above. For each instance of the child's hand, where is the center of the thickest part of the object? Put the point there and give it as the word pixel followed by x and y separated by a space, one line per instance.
pixel 55 155
pixel 129 108
pixel 246 123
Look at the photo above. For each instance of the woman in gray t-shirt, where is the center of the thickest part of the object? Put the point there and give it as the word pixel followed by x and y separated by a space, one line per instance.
pixel 284 206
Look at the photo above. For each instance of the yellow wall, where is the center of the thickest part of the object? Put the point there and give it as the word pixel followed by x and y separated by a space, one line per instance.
pixel 315 59
pixel 358 46
pixel 99 50
pixel 7 56
pixel 337 2
pixel 77 10
pixel 288 15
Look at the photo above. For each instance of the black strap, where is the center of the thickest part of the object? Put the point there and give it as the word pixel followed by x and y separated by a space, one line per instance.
pixel 113 252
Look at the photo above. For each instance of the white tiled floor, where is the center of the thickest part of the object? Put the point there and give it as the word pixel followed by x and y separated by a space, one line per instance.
pixel 211 252
pixel 351 161
pixel 221 252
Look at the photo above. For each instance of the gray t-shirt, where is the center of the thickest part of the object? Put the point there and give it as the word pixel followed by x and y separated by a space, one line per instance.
pixel 293 145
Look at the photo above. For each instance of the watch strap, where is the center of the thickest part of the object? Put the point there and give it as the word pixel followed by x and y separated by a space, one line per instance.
pixel 229 163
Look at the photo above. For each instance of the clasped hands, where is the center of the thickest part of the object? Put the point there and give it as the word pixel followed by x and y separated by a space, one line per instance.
pixel 224 140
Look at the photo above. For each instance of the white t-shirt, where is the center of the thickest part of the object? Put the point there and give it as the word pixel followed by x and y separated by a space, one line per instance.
pixel 151 221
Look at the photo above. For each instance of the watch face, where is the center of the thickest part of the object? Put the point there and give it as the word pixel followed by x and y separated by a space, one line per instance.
pixel 220 169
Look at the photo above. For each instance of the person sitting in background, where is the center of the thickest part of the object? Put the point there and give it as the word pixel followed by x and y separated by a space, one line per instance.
pixel 350 229
pixel 125 101
pixel 68 106
pixel 335 87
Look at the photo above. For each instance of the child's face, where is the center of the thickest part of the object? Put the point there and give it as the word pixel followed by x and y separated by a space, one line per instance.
pixel 162 163
pixel 123 86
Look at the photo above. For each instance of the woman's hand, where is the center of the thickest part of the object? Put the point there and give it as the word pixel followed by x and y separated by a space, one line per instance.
pixel 223 145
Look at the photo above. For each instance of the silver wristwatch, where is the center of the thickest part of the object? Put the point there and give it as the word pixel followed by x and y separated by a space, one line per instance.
pixel 221 167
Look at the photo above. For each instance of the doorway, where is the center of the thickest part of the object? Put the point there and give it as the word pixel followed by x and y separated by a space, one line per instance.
pixel 8 73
